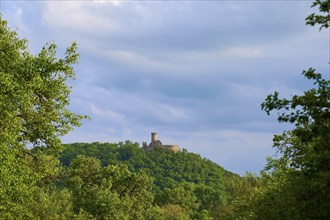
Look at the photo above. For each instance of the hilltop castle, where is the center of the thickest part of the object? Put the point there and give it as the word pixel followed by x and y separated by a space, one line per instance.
pixel 157 143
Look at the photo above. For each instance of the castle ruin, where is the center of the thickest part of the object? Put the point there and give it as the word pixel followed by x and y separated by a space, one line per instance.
pixel 157 143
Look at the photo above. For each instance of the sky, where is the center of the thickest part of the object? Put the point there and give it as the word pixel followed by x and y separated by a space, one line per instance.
pixel 195 72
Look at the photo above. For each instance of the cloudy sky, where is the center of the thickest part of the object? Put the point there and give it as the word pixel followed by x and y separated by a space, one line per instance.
pixel 196 72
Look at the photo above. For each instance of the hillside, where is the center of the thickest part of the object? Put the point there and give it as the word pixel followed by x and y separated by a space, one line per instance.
pixel 186 179
pixel 167 167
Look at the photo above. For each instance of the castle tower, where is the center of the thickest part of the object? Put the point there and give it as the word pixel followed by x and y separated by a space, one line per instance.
pixel 153 137
pixel 157 143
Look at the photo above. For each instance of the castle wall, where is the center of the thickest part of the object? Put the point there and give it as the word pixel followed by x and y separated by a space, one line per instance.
pixel 174 148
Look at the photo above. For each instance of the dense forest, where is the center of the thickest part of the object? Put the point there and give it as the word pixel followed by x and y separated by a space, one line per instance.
pixel 166 167
pixel 194 187
pixel 40 178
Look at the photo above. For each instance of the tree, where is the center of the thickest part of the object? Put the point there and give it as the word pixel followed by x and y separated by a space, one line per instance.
pixel 33 103
pixel 111 192
pixel 33 93
pixel 174 212
pixel 183 180
pixel 183 195
pixel 321 19
pixel 298 185
pixel 305 162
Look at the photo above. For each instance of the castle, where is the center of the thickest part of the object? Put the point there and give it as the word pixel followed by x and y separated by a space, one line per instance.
pixel 157 143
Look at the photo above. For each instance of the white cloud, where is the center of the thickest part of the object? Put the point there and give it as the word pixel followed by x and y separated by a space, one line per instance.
pixel 113 2
pixel 78 16
pixel 245 52
pixel 108 113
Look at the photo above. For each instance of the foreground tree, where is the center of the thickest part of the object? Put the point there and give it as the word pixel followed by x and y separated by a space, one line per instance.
pixel 300 178
pixel 297 185
pixel 111 192
pixel 33 93
pixel 33 103
pixel 321 19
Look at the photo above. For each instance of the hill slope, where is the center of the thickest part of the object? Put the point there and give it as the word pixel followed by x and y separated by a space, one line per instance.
pixel 186 179
pixel 167 167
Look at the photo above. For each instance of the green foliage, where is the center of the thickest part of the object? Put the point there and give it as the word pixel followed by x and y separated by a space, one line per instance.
pixel 111 192
pixel 17 183
pixel 183 180
pixel 296 186
pixel 320 19
pixel 307 145
pixel 33 100
pixel 299 181
pixel 182 195
pixel 33 93
pixel 52 203
pixel 241 205
pixel 174 212
pixel 167 167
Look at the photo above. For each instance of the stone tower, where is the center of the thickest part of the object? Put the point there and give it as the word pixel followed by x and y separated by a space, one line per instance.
pixel 153 137
pixel 157 143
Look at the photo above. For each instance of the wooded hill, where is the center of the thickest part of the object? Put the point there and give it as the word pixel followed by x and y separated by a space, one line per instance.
pixel 194 186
